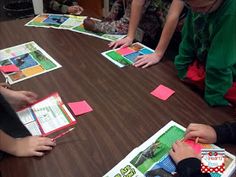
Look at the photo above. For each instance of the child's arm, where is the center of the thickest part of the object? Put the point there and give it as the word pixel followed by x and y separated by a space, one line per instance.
pixel 226 133
pixel 18 99
pixel 56 6
pixel 25 147
pixel 59 7
pixel 166 35
pixel 190 167
pixel 135 16
pixel 186 49
pixel 221 60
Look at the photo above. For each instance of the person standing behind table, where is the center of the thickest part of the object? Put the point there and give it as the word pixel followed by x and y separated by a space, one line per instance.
pixel 152 17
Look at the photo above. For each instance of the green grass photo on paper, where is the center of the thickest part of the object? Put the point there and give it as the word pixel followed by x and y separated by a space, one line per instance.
pixel 46 63
pixel 118 58
pixel 160 148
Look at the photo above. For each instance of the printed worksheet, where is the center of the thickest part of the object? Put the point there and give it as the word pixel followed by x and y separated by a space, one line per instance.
pixel 152 157
pixel 126 56
pixel 30 59
pixel 69 22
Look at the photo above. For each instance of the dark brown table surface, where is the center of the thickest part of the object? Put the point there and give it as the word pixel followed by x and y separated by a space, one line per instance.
pixel 124 115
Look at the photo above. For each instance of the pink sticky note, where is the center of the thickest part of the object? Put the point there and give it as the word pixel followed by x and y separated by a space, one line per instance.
pixel 162 92
pixel 9 68
pixel 80 107
pixel 125 51
pixel 196 147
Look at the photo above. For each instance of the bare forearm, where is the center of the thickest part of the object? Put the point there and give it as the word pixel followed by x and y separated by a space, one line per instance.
pixel 135 16
pixel 3 89
pixel 166 35
pixel 7 143
pixel 170 25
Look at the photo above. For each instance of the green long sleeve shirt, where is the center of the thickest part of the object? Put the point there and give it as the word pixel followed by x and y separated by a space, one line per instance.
pixel 211 39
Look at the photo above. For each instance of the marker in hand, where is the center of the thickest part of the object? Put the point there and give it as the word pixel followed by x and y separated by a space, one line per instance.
pixel 62 134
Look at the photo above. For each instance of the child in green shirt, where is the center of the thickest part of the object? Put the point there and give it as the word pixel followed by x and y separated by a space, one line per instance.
pixel 207 55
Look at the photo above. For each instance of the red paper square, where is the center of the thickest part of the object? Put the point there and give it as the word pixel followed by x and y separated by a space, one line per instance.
pixel 9 68
pixel 162 92
pixel 80 107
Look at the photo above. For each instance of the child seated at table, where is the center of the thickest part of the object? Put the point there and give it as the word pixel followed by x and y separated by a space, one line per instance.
pixel 149 19
pixel 207 55
pixel 63 6
pixel 116 22
pixel 188 163
pixel 14 137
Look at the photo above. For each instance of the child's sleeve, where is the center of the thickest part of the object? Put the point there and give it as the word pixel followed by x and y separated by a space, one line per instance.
pixel 226 133
pixel 75 3
pixel 221 61
pixel 186 50
pixel 56 6
pixel 190 167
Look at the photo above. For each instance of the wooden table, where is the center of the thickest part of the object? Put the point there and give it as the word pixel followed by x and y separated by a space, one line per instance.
pixel 125 113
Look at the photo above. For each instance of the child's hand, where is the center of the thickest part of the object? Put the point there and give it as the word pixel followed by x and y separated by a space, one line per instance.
pixel 76 10
pixel 33 146
pixel 125 42
pixel 181 151
pixel 205 133
pixel 147 60
pixel 18 99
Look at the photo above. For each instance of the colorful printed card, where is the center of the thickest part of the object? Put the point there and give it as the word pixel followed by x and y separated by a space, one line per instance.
pixel 31 60
pixel 126 56
pixel 68 22
pixel 46 116
pixel 152 157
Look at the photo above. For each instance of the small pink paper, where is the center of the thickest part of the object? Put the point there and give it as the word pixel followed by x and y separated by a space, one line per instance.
pixel 162 92
pixel 9 68
pixel 125 51
pixel 80 107
pixel 196 147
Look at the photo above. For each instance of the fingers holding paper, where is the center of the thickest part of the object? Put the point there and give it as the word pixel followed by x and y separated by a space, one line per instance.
pixel 204 133
pixel 181 151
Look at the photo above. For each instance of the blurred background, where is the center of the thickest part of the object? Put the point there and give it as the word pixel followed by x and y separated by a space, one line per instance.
pixel 13 9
